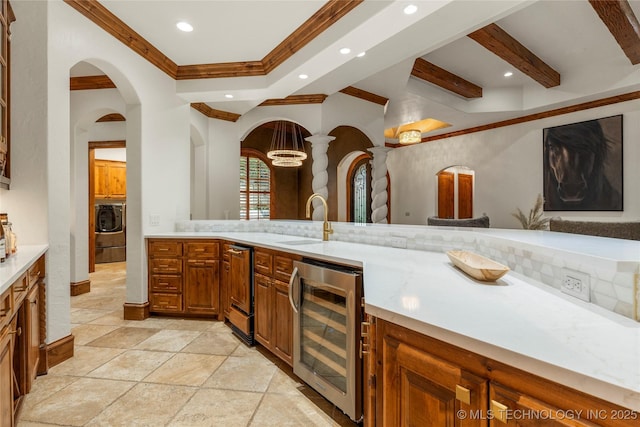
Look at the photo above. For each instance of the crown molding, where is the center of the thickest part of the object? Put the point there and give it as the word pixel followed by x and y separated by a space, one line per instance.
pixel 295 100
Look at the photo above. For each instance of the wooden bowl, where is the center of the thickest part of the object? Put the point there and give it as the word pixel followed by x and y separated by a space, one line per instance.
pixel 477 266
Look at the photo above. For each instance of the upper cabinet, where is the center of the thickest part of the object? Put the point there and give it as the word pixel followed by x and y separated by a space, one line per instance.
pixel 110 179
pixel 6 18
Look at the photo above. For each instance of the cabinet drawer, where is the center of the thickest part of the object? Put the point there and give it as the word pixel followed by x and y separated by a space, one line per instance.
pixel 164 265
pixel 283 267
pixel 165 302
pixel 240 320
pixel 36 271
pixel 20 288
pixel 169 284
pixel 202 249
pixel 263 263
pixel 165 248
pixel 6 307
pixel 225 251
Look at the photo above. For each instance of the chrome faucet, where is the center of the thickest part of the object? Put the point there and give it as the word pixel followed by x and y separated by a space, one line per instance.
pixel 326 227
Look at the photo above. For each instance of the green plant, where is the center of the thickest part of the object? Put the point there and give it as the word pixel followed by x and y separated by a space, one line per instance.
pixel 534 221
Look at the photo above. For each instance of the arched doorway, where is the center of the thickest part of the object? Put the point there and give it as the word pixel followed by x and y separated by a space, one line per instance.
pixel 455 192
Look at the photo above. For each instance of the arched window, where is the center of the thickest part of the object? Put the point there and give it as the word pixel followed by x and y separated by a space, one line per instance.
pixel 359 183
pixel 255 186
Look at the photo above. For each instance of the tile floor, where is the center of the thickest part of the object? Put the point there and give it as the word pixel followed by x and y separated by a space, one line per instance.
pixel 165 372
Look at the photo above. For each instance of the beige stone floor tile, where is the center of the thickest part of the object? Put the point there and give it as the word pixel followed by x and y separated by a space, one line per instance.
pixel 243 373
pixel 45 386
pixel 192 324
pixel 152 322
pixel 124 337
pixel 244 351
pixel 145 405
pixel 279 410
pixel 32 424
pixel 115 318
pixel 85 360
pixel 84 315
pixel 132 365
pixel 85 333
pixel 100 302
pixel 210 407
pixel 168 340
pixel 186 369
pixel 281 383
pixel 214 341
pixel 77 403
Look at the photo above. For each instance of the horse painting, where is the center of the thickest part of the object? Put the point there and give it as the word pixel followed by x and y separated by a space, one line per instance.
pixel 575 178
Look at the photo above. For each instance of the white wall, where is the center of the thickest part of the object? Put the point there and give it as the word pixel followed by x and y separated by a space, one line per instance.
pixel 114 154
pixel 508 169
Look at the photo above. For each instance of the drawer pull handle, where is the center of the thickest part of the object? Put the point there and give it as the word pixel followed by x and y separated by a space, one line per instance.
pixel 4 311
pixel 233 251
pixel 364 330
pixel 199 250
pixel 163 249
pixel 364 349
pixel 463 394
pixel 163 266
pixel 499 411
pixel 23 288
pixel 163 283
pixel 17 332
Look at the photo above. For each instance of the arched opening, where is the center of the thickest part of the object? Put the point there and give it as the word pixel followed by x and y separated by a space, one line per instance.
pixel 358 185
pixel 257 185
pixel 455 190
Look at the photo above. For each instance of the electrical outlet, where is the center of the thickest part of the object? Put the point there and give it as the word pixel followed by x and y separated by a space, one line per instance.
pixel 576 283
pixel 399 242
pixel 154 220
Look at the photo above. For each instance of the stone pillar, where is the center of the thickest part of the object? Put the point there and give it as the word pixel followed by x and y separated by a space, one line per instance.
pixel 379 194
pixel 319 147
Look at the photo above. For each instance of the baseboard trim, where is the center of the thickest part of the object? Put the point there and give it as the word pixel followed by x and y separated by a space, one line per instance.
pixel 79 288
pixel 136 311
pixel 60 350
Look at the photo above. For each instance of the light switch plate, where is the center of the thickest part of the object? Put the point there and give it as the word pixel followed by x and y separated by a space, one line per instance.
pixel 154 220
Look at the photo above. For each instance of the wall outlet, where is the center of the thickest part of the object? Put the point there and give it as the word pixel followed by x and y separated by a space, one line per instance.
pixel 576 283
pixel 154 220
pixel 399 242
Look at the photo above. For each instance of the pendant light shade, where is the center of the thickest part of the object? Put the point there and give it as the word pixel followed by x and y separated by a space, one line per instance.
pixel 410 136
pixel 287 145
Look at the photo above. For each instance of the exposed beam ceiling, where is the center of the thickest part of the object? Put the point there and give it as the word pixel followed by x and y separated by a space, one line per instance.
pixel 114 117
pixel 363 94
pixel 425 70
pixel 91 82
pixel 296 99
pixel 213 113
pixel 618 16
pixel 495 39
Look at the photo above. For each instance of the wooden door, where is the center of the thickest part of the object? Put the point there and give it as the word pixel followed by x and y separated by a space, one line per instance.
pixel 224 289
pixel 465 196
pixel 283 322
pixel 419 389
pixel 101 180
pixel 6 385
pixel 445 195
pixel 32 307
pixel 240 279
pixel 118 180
pixel 202 289
pixel 263 309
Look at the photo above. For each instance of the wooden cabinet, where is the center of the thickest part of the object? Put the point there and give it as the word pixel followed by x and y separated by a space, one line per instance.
pixel 240 279
pixel 416 380
pixel 32 339
pixel 225 303
pixel 110 178
pixel 273 312
pixel 184 277
pixel 6 373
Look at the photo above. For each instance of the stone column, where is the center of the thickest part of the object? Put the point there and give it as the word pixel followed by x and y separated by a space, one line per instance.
pixel 379 194
pixel 319 146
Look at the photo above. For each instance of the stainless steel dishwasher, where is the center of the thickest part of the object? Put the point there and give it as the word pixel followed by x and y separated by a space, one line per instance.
pixel 326 300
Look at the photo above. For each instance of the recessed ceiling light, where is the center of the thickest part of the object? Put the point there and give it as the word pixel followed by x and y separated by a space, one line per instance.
pixel 508 74
pixel 411 9
pixel 361 54
pixel 184 26
pixel 303 76
pixel 228 96
pixel 345 50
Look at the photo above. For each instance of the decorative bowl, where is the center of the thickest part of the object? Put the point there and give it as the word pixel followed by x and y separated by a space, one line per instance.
pixel 477 266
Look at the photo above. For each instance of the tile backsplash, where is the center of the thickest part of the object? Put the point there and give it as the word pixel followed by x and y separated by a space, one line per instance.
pixel 613 285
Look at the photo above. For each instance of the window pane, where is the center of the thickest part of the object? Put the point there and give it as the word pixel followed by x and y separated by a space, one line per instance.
pixel 255 187
pixel 360 195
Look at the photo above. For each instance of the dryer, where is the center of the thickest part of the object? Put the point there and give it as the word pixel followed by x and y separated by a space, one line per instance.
pixel 110 229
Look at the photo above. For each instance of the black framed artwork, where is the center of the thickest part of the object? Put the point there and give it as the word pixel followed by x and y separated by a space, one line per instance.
pixel 582 166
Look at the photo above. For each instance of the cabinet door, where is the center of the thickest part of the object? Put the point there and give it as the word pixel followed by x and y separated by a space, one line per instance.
pixel 101 180
pixel 6 385
pixel 32 306
pixel 263 309
pixel 283 322
pixel 240 279
pixel 419 389
pixel 202 289
pixel 510 408
pixel 118 180
pixel 224 288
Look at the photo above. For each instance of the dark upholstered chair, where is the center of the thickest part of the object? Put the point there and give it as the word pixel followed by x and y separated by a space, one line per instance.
pixel 480 222
pixel 619 230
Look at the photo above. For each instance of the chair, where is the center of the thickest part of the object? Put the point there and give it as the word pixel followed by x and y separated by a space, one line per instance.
pixel 629 230
pixel 480 222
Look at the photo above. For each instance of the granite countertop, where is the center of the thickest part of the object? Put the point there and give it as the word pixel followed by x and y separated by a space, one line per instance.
pixel 515 320
pixel 18 263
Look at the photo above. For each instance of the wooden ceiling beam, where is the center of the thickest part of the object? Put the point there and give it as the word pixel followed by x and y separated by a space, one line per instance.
pixel 431 73
pixel 213 113
pixel 367 96
pixel 91 82
pixel 619 18
pixel 295 100
pixel 498 41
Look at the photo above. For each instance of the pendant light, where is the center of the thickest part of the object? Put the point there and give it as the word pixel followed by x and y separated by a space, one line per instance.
pixel 287 147
pixel 411 136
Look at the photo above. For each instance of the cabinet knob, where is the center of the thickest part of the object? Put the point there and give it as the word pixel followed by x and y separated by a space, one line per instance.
pixel 463 394
pixel 499 411
pixel 17 332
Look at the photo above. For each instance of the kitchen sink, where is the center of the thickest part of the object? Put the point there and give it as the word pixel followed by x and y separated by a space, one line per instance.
pixel 301 242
